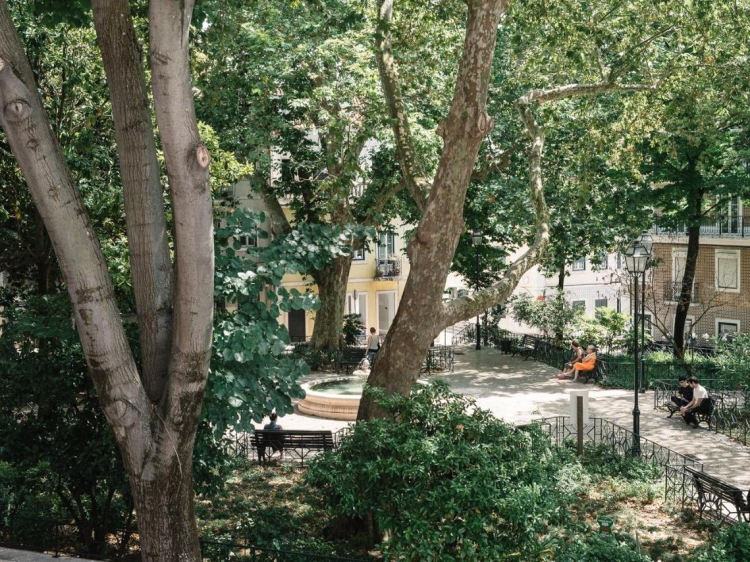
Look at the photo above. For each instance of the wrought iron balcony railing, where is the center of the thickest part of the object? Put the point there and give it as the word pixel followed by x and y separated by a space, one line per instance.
pixel 390 267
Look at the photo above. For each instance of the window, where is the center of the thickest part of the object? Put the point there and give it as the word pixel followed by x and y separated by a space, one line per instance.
pixel 579 264
pixel 679 259
pixel 618 307
pixel 725 326
pixel 358 255
pixel 249 241
pixel 358 306
pixel 727 270
pixel 601 263
pixel 601 303
pixel 386 245
pixel 618 261
pixel 579 305
pixel 647 323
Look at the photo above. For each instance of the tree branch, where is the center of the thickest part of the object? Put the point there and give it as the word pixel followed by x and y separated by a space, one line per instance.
pixel 38 153
pixel 414 178
pixel 187 161
pixel 144 203
pixel 499 163
pixel 469 306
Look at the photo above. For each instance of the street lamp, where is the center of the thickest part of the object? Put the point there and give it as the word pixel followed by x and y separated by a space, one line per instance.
pixel 636 262
pixel 476 240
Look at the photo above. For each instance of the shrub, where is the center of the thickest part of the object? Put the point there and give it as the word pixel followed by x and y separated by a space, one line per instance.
pixel 353 328
pixel 444 480
pixel 729 544
pixel 595 548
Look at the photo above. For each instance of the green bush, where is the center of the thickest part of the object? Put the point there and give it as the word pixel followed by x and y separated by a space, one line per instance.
pixel 444 480
pixel 729 544
pixel 595 548
pixel 353 328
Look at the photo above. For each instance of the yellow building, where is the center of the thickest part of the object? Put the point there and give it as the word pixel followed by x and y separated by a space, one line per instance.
pixel 376 279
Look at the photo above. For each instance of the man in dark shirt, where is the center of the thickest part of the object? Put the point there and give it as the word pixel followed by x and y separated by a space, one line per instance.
pixel 683 397
pixel 277 444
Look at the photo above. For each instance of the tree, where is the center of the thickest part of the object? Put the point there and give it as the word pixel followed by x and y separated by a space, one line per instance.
pixel 154 411
pixel 421 314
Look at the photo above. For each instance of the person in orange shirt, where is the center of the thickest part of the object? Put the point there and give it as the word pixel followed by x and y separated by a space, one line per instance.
pixel 588 363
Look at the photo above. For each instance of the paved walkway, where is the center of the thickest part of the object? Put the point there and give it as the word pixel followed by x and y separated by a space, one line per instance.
pixel 519 391
pixel 10 555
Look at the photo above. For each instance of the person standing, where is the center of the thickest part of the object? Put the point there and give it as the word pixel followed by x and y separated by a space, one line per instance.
pixel 373 344
pixel 700 404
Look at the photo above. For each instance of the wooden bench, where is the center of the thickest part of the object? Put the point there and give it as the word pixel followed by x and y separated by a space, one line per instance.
pixel 527 347
pixel 351 357
pixel 597 374
pixel 300 442
pixel 723 502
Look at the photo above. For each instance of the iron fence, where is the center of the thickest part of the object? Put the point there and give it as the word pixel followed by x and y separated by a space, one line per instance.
pixel 439 358
pixel 678 484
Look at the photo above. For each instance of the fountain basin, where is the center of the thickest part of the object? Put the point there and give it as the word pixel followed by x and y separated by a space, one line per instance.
pixel 334 399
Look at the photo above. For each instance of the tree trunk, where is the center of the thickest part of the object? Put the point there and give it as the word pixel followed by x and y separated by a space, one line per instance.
pixel 433 245
pixel 686 287
pixel 165 507
pixel 329 319
pixel 150 262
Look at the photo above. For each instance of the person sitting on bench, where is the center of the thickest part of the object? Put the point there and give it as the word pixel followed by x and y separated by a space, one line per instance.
pixel 273 426
pixel 588 363
pixel 700 404
pixel 576 356
pixel 683 397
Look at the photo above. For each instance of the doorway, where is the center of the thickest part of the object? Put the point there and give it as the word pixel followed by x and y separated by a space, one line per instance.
pixel 297 331
pixel 386 310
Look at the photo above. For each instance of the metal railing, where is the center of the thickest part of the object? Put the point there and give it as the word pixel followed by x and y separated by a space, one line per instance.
pixel 678 484
pixel 390 267
pixel 735 226
pixel 439 358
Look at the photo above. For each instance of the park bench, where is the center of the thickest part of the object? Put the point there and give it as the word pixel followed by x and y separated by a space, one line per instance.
pixel 720 500
pixel 527 347
pixel 351 357
pixel 597 374
pixel 703 416
pixel 299 442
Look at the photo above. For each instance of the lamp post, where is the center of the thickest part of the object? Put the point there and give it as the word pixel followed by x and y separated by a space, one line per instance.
pixel 476 240
pixel 636 261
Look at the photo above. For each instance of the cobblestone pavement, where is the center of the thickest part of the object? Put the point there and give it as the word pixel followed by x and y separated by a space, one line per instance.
pixel 519 391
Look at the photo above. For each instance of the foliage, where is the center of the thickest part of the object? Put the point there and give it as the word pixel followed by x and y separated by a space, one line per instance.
pixel 594 548
pixel 444 479
pixel 728 544
pixel 555 315
pixel 252 373
pixel 58 455
pixel 353 328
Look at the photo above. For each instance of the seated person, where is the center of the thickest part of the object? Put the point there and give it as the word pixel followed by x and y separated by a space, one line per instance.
pixel 576 356
pixel 700 404
pixel 588 363
pixel 276 444
pixel 682 398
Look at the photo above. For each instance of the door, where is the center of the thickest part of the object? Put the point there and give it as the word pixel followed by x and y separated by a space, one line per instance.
pixel 297 332
pixel 386 310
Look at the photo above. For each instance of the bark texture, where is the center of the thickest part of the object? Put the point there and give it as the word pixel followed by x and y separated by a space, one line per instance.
pixel 328 332
pixel 155 419
pixel 144 202
pixel 434 243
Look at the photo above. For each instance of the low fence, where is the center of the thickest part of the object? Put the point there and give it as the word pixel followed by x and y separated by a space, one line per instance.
pixel 678 485
pixel 731 406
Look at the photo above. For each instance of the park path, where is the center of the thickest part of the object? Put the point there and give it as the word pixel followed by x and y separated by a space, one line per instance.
pixel 519 391
pixel 10 555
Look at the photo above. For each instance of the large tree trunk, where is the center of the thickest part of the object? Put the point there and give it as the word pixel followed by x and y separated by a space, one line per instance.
pixel 329 319
pixel 165 507
pixel 686 286
pixel 433 245
pixel 155 431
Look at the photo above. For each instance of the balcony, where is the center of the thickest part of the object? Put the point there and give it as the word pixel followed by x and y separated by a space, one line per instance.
pixel 737 226
pixel 387 268
pixel 672 291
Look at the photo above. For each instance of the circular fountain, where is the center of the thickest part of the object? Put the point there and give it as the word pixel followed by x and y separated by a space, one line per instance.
pixel 333 398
